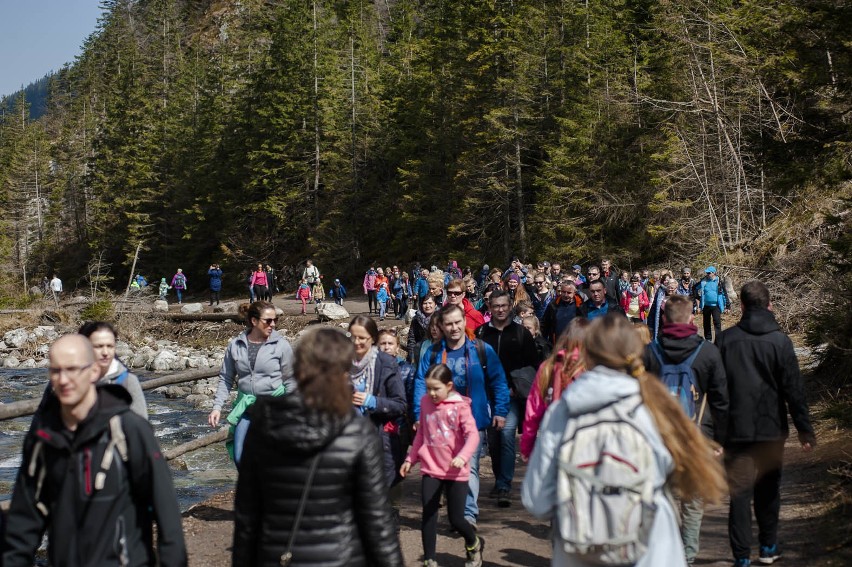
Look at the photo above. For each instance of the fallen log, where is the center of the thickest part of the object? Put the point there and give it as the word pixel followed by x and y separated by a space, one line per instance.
pixel 188 376
pixel 200 316
pixel 203 441
pixel 19 409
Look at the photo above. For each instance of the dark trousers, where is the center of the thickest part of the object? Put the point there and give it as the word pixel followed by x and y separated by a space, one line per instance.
pixel 372 304
pixel 456 495
pixel 754 471
pixel 716 314
pixel 214 296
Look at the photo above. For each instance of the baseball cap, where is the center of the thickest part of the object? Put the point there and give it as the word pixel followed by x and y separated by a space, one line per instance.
pixel 576 267
pixel 710 270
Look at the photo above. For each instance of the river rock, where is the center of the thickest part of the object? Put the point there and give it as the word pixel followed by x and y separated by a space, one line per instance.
pixel 164 360
pixel 197 362
pixel 46 331
pixel 28 363
pixel 227 307
pixel 16 338
pixel 198 400
pixel 42 350
pixel 331 312
pixel 48 317
pixel 191 308
pixel 161 306
pixel 204 389
pixel 11 362
pixel 43 363
pixel 36 291
pixel 279 312
pixel 175 391
pixel 179 363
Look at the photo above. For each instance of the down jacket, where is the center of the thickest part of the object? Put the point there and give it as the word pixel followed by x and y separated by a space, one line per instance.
pixel 347 518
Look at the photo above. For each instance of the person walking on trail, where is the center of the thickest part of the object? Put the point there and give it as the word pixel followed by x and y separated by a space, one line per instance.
pixel 92 476
pixel 163 289
pixel 311 482
pixel 478 375
pixel 473 320
pixel 311 274
pixel 599 303
pixel 271 281
pixel 561 311
pixel 179 284
pixel 337 292
pixel 444 447
pixel 712 302
pixel 515 347
pixel 215 275
pixel 679 343
pixel 615 415
pixel 370 289
pixel 56 286
pixel 260 284
pixel 260 361
pixel 303 294
pixel 764 384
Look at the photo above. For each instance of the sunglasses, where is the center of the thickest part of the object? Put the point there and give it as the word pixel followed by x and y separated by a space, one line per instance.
pixel 455 293
pixel 270 320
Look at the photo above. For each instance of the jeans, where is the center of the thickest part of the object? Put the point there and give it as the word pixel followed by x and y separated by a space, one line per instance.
pixel 471 505
pixel 712 311
pixel 501 446
pixel 754 470
pixel 383 306
pixel 240 431
pixel 691 514
pixel 179 293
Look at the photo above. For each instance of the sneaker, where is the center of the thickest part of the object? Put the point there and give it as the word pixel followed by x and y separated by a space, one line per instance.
pixel 430 563
pixel 742 562
pixel 473 557
pixel 504 499
pixel 769 554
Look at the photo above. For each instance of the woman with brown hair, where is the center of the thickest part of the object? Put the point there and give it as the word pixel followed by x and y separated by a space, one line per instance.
pixel 517 291
pixel 313 444
pixel 678 455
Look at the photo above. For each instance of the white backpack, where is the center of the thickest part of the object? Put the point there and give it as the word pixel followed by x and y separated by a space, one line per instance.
pixel 605 485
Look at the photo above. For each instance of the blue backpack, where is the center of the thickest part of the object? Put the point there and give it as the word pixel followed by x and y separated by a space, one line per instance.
pixel 679 378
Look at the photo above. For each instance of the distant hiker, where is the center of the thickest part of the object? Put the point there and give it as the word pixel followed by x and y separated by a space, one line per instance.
pixel 382 297
pixel 92 476
pixel 311 274
pixel 179 284
pixel 419 329
pixel 303 294
pixel 56 286
pixel 445 465
pixel 140 279
pixel 271 281
pixel 102 335
pixel 215 275
pixel 634 301
pixel 561 311
pixel 163 289
pixel 456 296
pixel 712 301
pixel 337 292
pixel 312 446
pixel 764 384
pixel 623 420
pixel 260 284
pixel 370 290
pixel 260 361
pixel 655 314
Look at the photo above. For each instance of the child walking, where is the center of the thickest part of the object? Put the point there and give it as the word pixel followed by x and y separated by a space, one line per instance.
pixel 382 299
pixel 304 294
pixel 446 440
pixel 164 288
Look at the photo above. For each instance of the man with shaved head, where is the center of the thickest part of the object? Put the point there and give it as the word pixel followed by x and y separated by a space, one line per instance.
pixel 92 476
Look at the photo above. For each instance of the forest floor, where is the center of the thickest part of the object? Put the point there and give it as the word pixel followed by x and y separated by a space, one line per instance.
pixel 814 527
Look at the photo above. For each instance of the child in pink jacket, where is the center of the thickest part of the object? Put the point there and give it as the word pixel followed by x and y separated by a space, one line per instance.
pixel 446 440
pixel 304 294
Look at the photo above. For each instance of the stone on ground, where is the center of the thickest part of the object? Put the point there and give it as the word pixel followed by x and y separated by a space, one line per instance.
pixel 190 308
pixel 161 305
pixel 331 312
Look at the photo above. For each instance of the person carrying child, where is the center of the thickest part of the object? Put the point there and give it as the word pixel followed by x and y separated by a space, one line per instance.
pixel 446 440
pixel 304 295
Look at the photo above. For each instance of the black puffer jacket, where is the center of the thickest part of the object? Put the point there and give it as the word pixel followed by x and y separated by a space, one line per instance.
pixel 764 381
pixel 347 519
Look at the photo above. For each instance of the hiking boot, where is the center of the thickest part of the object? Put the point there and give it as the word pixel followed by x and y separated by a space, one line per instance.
pixel 493 492
pixel 504 499
pixel 473 556
pixel 430 563
pixel 769 554
pixel 742 562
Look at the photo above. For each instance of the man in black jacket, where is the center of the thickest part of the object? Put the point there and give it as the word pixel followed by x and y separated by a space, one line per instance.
pixel 678 340
pixel 92 476
pixel 599 303
pixel 764 381
pixel 515 347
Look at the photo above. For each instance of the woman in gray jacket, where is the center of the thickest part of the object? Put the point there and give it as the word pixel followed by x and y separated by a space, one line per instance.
pixel 260 359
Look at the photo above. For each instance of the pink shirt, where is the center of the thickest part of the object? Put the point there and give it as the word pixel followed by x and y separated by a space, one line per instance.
pixel 446 431
pixel 258 278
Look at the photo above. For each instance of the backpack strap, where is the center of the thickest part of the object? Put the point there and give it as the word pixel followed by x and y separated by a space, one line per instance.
pixel 694 354
pixel 479 345
pixel 39 472
pixel 117 442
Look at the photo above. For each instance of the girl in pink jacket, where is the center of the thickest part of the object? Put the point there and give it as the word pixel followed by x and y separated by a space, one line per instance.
pixel 304 294
pixel 446 440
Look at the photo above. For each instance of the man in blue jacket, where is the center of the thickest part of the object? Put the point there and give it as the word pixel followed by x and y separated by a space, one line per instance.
pixel 713 301
pixel 485 385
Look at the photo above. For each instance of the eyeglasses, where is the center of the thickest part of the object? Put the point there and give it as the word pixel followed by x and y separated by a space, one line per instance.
pixel 542 282
pixel 270 320
pixel 594 273
pixel 455 293
pixel 71 371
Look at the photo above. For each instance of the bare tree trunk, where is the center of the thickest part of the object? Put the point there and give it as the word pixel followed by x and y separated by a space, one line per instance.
pixel 316 119
pixel 519 189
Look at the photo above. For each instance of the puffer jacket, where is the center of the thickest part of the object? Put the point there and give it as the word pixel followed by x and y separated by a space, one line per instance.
pixel 272 368
pixel 118 373
pixel 87 526
pixel 347 518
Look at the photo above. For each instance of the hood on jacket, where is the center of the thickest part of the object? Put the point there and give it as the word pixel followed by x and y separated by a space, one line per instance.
pixel 285 420
pixel 603 386
pixel 758 321
pixel 112 399
pixel 678 350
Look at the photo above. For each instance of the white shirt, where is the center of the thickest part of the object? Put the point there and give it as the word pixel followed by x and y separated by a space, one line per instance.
pixel 56 284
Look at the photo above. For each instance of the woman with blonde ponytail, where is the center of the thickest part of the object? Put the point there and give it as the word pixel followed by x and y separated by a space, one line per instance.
pixel 683 460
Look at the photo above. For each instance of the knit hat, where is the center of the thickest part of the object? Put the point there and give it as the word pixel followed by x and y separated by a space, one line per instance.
pixel 515 277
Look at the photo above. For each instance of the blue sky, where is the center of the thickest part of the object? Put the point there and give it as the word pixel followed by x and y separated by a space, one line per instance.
pixel 37 36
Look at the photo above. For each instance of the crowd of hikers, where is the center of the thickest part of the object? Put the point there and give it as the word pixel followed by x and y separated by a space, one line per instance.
pixel 629 421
